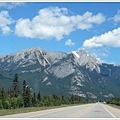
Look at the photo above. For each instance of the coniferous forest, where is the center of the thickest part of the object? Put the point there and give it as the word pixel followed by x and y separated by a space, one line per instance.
pixel 21 96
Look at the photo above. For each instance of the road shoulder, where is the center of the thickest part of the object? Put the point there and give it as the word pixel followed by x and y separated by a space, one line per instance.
pixel 114 111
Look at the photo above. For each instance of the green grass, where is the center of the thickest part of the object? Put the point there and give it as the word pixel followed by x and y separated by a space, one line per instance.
pixel 4 112
pixel 23 110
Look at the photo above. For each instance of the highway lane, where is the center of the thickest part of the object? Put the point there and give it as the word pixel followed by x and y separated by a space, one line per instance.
pixel 94 110
pixel 97 111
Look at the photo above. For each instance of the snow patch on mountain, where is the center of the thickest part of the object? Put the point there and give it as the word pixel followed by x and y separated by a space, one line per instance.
pixel 45 79
pixel 79 84
pixel 75 53
pixel 49 83
pixel 32 71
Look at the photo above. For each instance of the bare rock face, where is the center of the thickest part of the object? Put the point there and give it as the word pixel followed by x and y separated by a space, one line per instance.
pixel 86 60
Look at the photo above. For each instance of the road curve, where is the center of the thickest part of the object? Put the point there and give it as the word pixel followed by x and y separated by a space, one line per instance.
pixel 94 110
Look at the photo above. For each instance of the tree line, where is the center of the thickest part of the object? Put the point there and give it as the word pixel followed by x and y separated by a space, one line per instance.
pixel 115 101
pixel 14 97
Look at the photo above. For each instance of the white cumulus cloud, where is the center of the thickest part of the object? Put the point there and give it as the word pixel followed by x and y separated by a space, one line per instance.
pixel 69 42
pixel 55 22
pixel 109 39
pixel 5 21
pixel 116 18
pixel 10 5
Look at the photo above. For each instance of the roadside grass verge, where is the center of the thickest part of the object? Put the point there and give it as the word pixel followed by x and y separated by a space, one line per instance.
pixel 4 112
pixel 115 106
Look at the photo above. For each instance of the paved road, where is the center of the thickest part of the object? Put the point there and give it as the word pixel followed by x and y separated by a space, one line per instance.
pixel 94 110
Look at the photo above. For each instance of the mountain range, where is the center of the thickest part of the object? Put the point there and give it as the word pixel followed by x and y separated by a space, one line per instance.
pixel 61 73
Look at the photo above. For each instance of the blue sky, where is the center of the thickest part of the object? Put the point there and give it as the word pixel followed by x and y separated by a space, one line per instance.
pixel 93 26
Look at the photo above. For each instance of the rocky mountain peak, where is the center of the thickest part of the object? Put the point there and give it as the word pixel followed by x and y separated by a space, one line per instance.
pixel 81 51
pixel 84 59
pixel 33 49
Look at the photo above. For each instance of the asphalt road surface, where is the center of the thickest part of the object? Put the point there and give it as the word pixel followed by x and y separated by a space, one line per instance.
pixel 94 110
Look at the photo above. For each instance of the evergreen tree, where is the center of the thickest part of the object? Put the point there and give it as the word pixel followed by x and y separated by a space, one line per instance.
pixel 28 96
pixel 55 96
pixel 24 87
pixel 9 92
pixel 1 105
pixel 16 86
pixel 39 96
pixel 34 99
pixel 72 98
pixel 24 94
pixel 2 93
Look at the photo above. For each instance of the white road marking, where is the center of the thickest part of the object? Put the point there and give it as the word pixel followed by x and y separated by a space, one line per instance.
pixel 108 111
